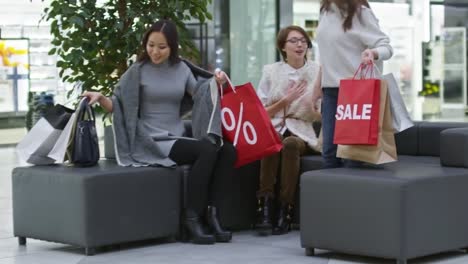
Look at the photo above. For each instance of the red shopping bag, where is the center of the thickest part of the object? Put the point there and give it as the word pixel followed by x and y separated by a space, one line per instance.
pixel 247 125
pixel 357 111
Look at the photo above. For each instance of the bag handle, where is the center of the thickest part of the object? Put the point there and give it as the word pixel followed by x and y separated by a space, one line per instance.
pixel 377 69
pixel 233 88
pixel 83 108
pixel 364 70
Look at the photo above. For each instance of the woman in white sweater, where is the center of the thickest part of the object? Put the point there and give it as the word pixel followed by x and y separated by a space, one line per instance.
pixel 348 34
pixel 286 90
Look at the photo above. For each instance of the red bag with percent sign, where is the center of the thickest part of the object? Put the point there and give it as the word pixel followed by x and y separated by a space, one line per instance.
pixel 246 124
pixel 357 111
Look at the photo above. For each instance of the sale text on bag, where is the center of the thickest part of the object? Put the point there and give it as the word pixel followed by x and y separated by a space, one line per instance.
pixel 353 112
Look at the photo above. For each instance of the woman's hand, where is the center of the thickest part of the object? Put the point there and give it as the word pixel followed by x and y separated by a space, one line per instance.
pixel 220 77
pixel 368 56
pixel 93 97
pixel 97 97
pixel 294 91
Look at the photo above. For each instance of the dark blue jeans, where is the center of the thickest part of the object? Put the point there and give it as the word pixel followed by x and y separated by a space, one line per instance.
pixel 329 102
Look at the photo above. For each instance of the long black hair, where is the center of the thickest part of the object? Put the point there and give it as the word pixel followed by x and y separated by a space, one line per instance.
pixel 169 30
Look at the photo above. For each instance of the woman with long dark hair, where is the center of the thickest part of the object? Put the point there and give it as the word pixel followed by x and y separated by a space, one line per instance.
pixel 348 34
pixel 146 105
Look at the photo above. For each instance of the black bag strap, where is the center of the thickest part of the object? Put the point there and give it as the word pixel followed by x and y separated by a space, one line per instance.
pixel 84 108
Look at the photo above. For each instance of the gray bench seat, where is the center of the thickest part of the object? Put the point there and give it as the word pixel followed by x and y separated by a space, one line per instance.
pixel 402 210
pixel 95 206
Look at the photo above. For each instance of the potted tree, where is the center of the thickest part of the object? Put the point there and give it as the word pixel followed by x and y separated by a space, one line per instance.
pixel 94 42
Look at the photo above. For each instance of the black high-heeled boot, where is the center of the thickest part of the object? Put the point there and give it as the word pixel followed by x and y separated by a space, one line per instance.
pixel 220 234
pixel 194 230
pixel 284 220
pixel 263 222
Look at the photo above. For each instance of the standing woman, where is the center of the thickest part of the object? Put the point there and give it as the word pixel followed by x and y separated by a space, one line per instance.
pixel 149 129
pixel 286 90
pixel 348 34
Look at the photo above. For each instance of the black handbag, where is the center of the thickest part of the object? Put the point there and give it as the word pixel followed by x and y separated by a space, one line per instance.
pixel 85 145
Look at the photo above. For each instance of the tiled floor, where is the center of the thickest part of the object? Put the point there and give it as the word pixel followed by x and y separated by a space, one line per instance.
pixel 246 247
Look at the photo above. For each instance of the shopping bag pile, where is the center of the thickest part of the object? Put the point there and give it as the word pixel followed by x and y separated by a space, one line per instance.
pixel 385 149
pixel 62 134
pixel 35 147
pixel 247 125
pixel 389 113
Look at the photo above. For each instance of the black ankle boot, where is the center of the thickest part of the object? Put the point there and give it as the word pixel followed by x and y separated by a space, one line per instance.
pixel 283 225
pixel 194 229
pixel 220 234
pixel 263 223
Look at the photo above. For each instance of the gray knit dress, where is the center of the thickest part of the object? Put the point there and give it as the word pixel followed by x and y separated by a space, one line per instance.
pixel 162 88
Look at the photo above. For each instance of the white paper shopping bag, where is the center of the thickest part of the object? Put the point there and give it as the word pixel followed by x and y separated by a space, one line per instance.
pixel 59 149
pixel 401 119
pixel 36 145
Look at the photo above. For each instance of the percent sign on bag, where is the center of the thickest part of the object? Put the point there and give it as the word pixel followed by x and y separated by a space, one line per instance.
pixel 238 125
pixel 247 125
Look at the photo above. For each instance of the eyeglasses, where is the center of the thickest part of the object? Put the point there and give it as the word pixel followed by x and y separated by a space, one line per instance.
pixel 297 40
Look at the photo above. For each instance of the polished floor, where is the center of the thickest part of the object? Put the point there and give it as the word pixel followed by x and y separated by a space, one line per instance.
pixel 245 248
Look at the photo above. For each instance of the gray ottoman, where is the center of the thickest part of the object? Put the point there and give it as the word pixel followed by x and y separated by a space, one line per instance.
pixel 95 206
pixel 406 210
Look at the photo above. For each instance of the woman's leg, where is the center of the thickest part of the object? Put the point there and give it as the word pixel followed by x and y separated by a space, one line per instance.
pixel 329 103
pixel 293 149
pixel 202 155
pixel 265 194
pixel 268 172
pixel 222 175
pixel 222 179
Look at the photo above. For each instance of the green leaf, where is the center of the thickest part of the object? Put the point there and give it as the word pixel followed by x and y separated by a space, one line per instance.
pixel 77 21
pixel 94 43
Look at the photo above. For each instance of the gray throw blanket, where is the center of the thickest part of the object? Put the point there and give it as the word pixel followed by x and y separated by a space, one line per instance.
pixel 139 149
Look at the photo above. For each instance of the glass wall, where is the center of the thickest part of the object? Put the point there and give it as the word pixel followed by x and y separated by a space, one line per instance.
pixel 252 38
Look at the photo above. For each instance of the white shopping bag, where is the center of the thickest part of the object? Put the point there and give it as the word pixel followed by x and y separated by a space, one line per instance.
pixel 60 148
pixel 401 119
pixel 36 145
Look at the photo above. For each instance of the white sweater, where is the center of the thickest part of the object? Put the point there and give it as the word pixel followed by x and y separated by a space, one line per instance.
pixel 340 52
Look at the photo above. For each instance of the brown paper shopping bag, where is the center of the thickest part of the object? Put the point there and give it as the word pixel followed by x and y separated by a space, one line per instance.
pixel 385 150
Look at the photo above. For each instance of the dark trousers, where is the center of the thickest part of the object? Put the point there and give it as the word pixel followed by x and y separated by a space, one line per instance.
pixel 329 103
pixel 211 168
pixel 289 162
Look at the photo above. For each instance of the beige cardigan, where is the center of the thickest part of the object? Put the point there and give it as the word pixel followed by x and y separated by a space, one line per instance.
pixel 298 117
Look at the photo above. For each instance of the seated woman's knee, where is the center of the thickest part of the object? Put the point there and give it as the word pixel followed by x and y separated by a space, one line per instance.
pixel 229 150
pixel 290 144
pixel 208 147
